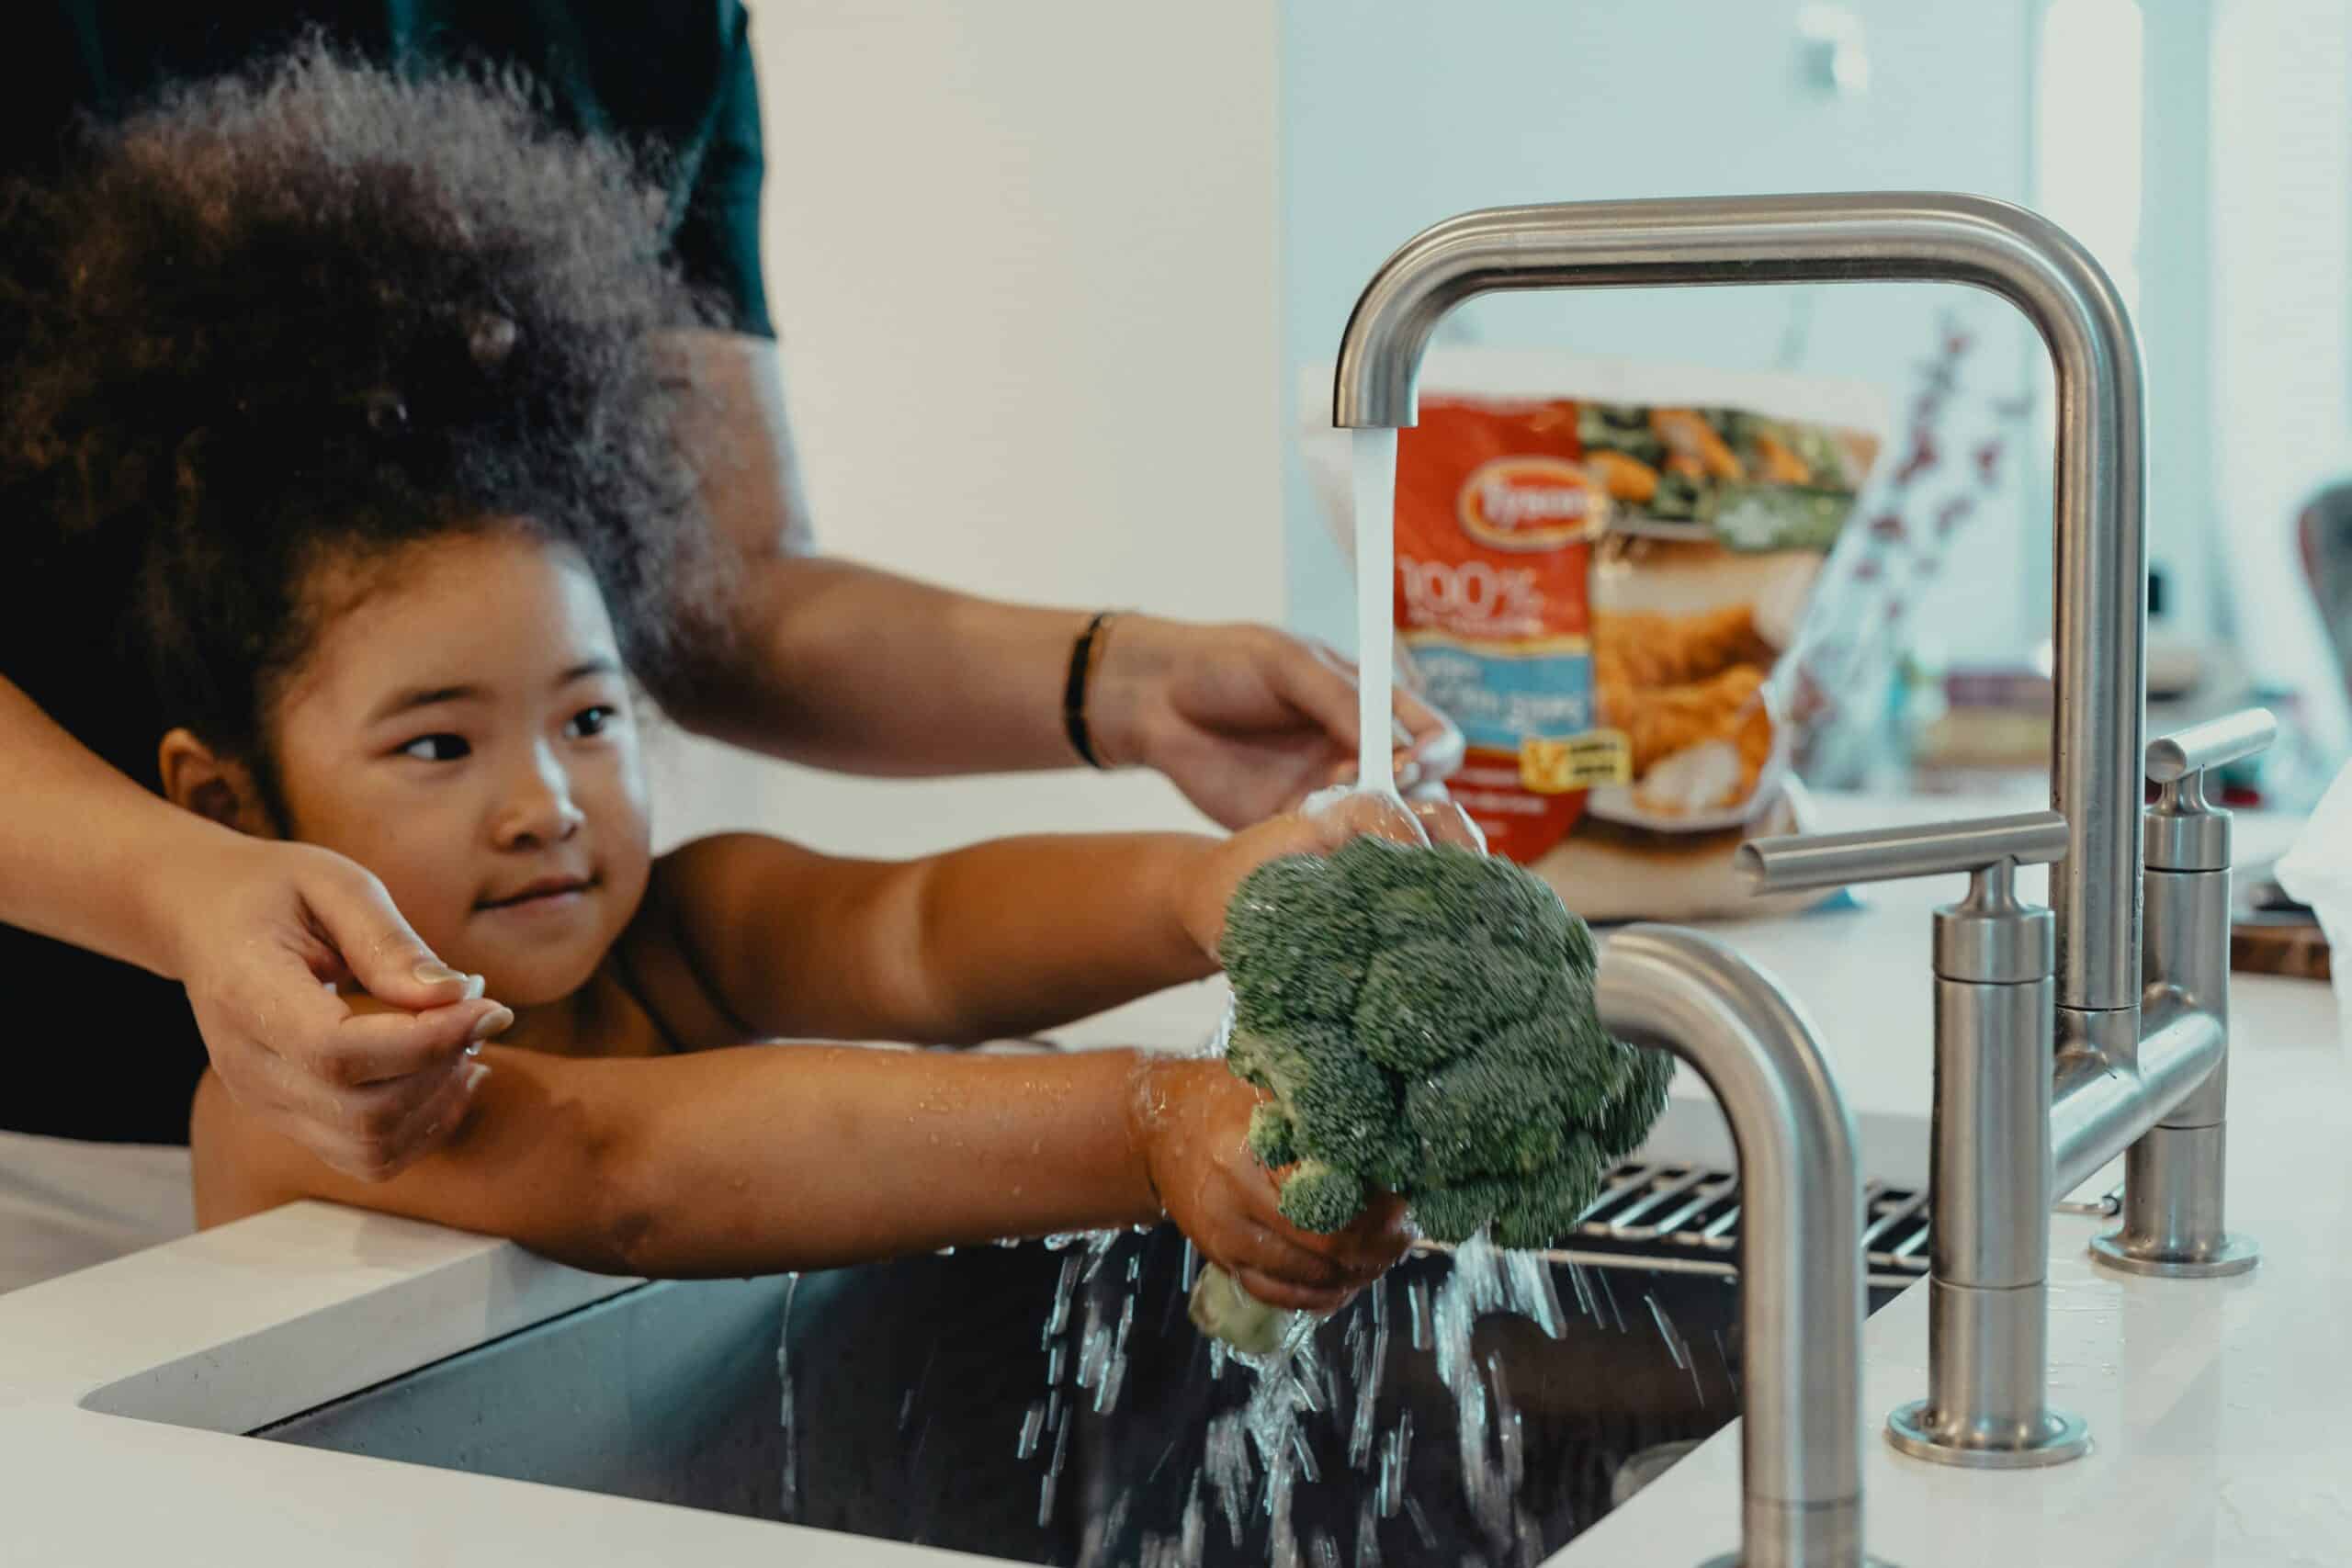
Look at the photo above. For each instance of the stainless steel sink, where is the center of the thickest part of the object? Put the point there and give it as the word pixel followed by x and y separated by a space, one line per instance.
pixel 930 1403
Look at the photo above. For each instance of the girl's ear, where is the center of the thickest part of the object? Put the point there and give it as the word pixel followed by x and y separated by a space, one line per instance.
pixel 198 780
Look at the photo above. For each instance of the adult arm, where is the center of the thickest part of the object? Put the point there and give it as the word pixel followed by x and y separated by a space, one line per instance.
pixel 838 665
pixel 258 931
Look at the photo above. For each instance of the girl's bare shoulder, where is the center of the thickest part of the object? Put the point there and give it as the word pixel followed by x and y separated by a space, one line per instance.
pixel 677 955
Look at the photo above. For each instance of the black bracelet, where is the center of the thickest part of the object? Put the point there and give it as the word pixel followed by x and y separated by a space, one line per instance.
pixel 1084 653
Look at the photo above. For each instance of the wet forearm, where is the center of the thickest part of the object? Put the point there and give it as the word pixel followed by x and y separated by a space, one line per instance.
pixel 754 1160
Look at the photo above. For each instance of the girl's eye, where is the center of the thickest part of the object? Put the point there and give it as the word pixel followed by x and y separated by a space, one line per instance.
pixel 437 747
pixel 588 722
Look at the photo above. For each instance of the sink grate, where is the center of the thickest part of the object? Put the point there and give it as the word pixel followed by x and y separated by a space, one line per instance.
pixel 1687 1217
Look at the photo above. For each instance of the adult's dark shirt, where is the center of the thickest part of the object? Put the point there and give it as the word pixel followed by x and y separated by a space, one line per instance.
pixel 670 76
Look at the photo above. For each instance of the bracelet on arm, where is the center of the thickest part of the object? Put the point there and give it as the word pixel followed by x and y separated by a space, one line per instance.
pixel 1084 655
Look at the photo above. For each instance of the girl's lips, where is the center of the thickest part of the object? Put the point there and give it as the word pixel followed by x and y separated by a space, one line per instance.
pixel 552 894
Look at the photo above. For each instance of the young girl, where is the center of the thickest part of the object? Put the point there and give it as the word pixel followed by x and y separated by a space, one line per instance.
pixel 354 378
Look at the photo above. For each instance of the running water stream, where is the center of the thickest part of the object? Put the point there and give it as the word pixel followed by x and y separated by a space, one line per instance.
pixel 1375 502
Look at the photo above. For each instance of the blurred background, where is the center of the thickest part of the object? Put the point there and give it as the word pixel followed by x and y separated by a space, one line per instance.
pixel 1047 276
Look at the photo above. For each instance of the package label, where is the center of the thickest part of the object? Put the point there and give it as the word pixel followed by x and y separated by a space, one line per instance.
pixel 1496 515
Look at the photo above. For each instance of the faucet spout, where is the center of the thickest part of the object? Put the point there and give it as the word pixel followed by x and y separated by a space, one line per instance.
pixel 1886 236
pixel 1801 1218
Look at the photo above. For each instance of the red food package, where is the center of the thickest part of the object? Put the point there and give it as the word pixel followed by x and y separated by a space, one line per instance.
pixel 1497 516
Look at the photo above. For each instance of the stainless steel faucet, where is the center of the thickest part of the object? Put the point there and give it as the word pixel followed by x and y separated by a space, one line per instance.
pixel 2127 1054
pixel 1888 236
pixel 1801 1207
pixel 1989 1162
pixel 2019 1122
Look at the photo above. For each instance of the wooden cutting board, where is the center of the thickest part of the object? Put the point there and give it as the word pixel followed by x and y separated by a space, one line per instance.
pixel 2272 934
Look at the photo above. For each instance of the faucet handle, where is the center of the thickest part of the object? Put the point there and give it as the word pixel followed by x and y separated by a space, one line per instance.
pixel 2185 753
pixel 1792 863
pixel 1989 937
pixel 2182 831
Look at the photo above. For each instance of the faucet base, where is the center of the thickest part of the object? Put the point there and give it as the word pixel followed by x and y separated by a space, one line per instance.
pixel 2234 1254
pixel 1913 1430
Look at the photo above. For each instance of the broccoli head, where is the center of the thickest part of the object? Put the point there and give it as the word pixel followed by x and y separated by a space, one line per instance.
pixel 1423 1019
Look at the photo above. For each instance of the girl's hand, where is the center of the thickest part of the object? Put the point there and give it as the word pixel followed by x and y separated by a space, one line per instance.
pixel 1191 1123
pixel 1327 821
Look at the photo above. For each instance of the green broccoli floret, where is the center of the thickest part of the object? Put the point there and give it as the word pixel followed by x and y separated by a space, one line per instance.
pixel 1272 1137
pixel 1544 1208
pixel 1319 1197
pixel 1423 1019
pixel 1484 1115
pixel 1455 1214
pixel 1308 945
pixel 1640 1100
pixel 1335 1106
pixel 1423 997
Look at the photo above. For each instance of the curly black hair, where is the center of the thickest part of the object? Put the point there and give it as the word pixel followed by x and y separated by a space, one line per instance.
pixel 320 310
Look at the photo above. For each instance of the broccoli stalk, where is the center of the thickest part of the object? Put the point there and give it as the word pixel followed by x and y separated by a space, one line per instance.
pixel 1422 1021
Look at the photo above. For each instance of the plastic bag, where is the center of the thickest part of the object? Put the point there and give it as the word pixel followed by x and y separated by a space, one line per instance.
pixel 1600 567
pixel 2318 872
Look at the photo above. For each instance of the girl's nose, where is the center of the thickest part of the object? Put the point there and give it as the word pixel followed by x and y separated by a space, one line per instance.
pixel 541 810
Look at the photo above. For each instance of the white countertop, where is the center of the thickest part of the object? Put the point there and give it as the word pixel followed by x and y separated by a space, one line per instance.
pixel 2211 1402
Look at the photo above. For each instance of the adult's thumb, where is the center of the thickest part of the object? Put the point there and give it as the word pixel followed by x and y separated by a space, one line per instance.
pixel 384 953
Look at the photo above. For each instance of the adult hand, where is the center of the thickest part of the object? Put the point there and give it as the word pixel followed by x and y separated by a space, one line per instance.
pixel 1322 825
pixel 1246 720
pixel 265 930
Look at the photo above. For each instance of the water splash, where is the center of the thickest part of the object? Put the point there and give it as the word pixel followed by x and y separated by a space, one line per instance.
pixel 1183 1549
pixel 1367 1537
pixel 1033 1427
pixel 1675 1345
pixel 788 1506
pixel 1058 1318
pixel 1531 1291
pixel 1483 1280
pixel 1370 1357
pixel 1248 1470
pixel 1421 1524
pixel 1227 1466
pixel 1053 1476
pixel 1608 1294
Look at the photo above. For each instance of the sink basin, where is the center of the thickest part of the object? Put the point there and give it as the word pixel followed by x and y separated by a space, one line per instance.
pixel 979 1401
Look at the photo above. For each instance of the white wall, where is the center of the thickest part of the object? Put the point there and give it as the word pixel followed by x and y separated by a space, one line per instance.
pixel 1022 261
pixel 1398 115
pixel 2282 325
pixel 1046 273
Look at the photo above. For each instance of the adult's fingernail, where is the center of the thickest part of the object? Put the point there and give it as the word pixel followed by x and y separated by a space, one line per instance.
pixel 474 1075
pixel 496 1020
pixel 433 971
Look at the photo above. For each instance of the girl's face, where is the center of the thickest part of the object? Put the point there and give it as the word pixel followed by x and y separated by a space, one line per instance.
pixel 464 731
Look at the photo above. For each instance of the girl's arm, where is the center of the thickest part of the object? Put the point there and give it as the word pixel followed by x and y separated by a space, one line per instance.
pixel 761 1159
pixel 988 942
